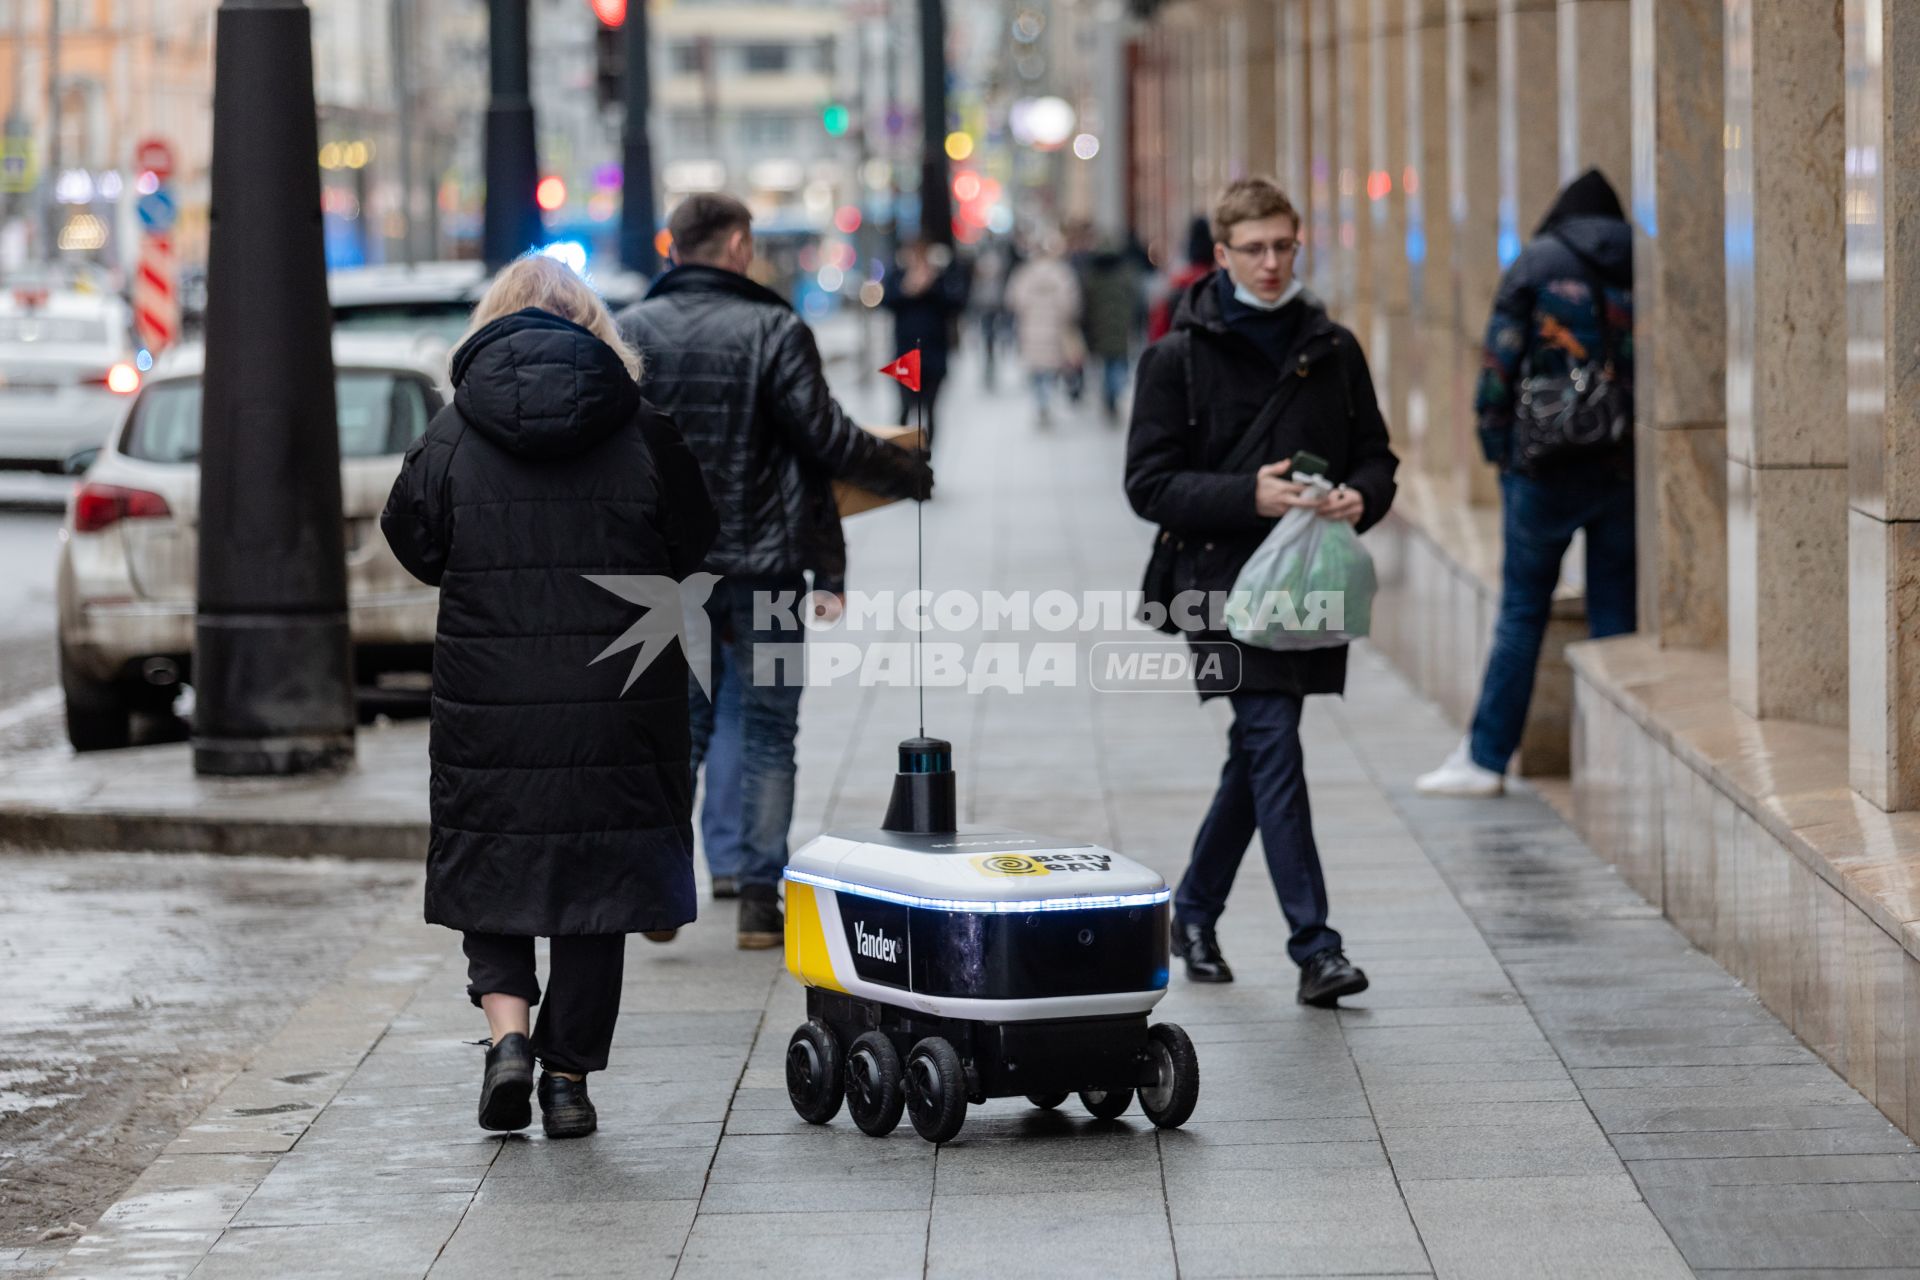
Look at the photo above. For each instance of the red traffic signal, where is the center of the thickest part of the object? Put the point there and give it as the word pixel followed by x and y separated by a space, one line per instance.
pixel 612 13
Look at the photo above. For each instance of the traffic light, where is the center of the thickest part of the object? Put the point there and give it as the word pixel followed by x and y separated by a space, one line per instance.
pixel 609 65
pixel 836 119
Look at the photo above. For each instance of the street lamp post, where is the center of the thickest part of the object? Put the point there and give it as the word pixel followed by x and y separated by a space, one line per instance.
pixel 637 213
pixel 512 166
pixel 273 666
pixel 936 197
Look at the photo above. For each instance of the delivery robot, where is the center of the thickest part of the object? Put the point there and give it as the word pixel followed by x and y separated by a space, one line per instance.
pixel 944 967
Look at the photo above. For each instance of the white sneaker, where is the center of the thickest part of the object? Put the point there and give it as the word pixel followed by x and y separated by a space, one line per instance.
pixel 1458 775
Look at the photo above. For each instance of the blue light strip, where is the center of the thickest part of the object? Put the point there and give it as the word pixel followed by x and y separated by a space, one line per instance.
pixel 1020 907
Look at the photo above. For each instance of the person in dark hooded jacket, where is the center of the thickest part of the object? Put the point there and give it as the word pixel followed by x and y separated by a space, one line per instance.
pixel 1565 304
pixel 547 502
pixel 1243 336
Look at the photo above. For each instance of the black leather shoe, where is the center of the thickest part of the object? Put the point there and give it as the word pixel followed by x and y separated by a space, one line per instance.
pixel 1195 944
pixel 507 1085
pixel 565 1109
pixel 1327 976
pixel 761 925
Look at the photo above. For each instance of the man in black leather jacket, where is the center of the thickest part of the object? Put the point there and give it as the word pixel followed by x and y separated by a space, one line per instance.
pixel 741 376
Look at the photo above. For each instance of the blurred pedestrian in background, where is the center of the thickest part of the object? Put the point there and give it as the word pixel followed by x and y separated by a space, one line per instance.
pixel 1555 403
pixel 1197 264
pixel 926 299
pixel 991 267
pixel 561 804
pixel 1110 288
pixel 1253 373
pixel 742 375
pixel 1044 298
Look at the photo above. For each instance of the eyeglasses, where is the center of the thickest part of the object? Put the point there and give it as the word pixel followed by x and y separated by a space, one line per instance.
pixel 1280 249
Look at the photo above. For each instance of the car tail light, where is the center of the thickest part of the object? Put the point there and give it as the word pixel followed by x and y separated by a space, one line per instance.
pixel 95 506
pixel 123 379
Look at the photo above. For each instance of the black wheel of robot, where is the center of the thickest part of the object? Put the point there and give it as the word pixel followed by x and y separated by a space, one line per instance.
pixel 813 1072
pixel 1170 1100
pixel 1105 1104
pixel 936 1088
pixel 1046 1101
pixel 875 1097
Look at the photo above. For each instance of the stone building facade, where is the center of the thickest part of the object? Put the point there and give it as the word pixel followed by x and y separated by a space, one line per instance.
pixel 1750 759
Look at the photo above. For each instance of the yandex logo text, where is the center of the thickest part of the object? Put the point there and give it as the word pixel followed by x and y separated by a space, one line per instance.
pixel 875 945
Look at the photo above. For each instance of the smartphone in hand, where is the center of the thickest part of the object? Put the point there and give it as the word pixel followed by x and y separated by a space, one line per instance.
pixel 1307 464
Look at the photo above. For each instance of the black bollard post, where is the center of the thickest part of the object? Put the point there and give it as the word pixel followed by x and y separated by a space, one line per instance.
pixel 512 223
pixel 936 195
pixel 273 665
pixel 637 214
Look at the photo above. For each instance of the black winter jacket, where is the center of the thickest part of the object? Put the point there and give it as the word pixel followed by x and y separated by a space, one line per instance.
pixel 1196 393
pixel 740 374
pixel 560 803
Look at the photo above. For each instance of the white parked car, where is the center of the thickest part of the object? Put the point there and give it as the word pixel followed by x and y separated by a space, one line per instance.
pixel 128 554
pixel 67 371
pixel 436 297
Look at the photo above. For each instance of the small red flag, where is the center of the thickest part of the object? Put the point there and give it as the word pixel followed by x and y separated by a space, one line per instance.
pixel 905 370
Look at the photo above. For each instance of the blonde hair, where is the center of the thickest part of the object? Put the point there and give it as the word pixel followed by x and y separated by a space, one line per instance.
pixel 552 286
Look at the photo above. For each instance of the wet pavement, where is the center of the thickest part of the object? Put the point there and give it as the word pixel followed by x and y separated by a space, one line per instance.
pixel 132 988
pixel 1545 1079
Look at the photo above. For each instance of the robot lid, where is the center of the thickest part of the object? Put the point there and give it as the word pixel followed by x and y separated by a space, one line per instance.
pixel 976 870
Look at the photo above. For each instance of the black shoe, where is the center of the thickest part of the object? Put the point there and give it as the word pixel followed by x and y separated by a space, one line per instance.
pixel 1327 976
pixel 761 925
pixel 726 887
pixel 507 1085
pixel 1195 944
pixel 565 1109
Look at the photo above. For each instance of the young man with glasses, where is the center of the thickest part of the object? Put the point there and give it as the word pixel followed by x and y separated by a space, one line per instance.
pixel 1253 372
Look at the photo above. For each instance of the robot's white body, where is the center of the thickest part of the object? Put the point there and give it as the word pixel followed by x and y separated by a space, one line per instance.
pixel 981 925
pixel 944 967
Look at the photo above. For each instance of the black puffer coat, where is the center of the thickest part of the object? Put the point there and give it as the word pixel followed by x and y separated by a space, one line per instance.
pixel 1196 393
pixel 560 804
pixel 740 374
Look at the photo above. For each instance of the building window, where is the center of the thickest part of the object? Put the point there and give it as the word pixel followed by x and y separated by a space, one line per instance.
pixel 685 57
pixel 762 58
pixel 76 15
pixel 692 132
pixel 765 129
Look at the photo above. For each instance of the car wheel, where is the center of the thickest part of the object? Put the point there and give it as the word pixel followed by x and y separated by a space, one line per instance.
pixel 98 716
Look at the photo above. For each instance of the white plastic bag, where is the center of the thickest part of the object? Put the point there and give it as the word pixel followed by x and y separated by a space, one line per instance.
pixel 1309 585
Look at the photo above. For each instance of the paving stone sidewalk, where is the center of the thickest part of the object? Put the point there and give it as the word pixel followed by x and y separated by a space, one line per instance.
pixel 1544 1081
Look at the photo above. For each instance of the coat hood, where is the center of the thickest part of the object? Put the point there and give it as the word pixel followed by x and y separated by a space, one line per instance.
pixel 1588 196
pixel 542 387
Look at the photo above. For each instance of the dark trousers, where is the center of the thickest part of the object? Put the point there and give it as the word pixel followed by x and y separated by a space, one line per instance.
pixel 1263 786
pixel 1538 521
pixel 769 720
pixel 575 1028
pixel 929 394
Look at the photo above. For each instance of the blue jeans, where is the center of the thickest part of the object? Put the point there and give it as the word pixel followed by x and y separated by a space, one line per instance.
pixel 721 831
pixel 769 714
pixel 1538 520
pixel 1113 380
pixel 1263 785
